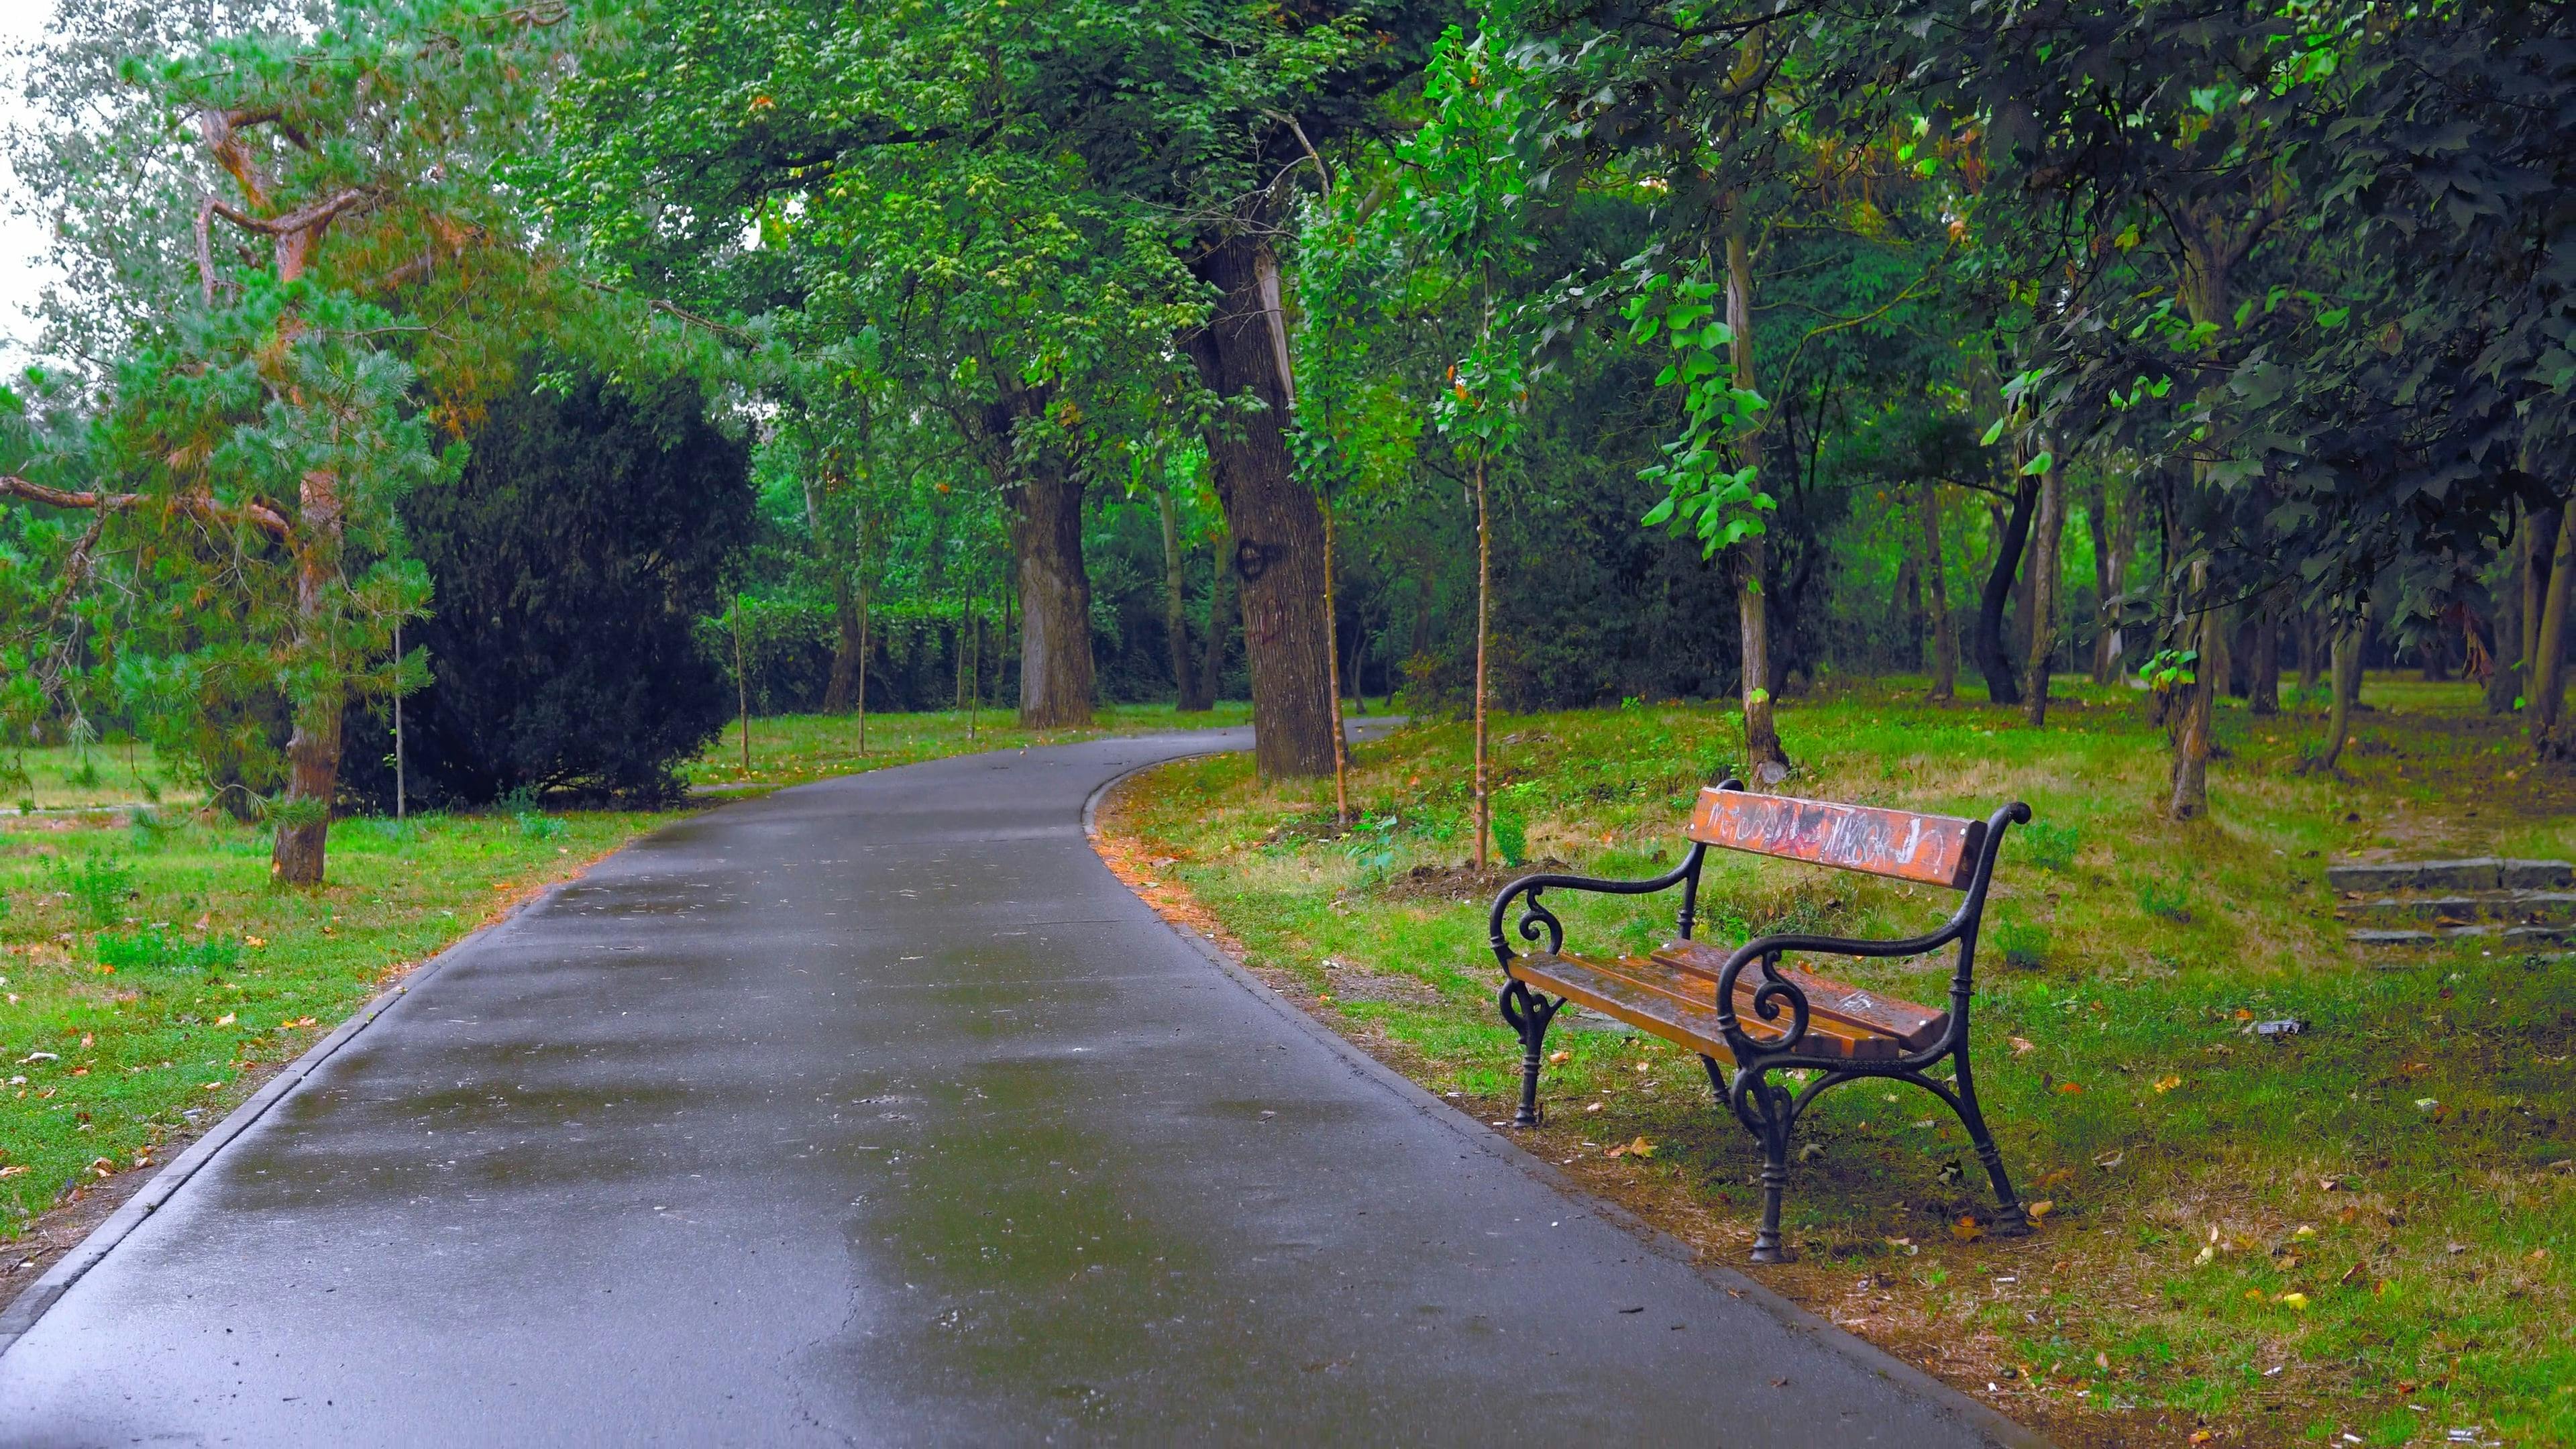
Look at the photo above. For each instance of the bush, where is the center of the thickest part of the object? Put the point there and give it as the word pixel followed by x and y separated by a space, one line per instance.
pixel 100 885
pixel 2022 944
pixel 2165 903
pixel 569 564
pixel 2050 847
pixel 1511 837
pixel 156 950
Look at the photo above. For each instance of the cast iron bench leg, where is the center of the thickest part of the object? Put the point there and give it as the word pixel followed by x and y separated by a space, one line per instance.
pixel 1527 1013
pixel 2010 1220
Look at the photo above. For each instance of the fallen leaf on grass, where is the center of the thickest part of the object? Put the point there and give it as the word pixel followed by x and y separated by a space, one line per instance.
pixel 2294 1300
pixel 2069 1089
pixel 1967 1230
pixel 1639 1148
pixel 254 942
pixel 1560 1057
pixel 14 1171
pixel 2167 1084
pixel 2101 1360
pixel 2022 1044
pixel 225 1020
pixel 2038 1212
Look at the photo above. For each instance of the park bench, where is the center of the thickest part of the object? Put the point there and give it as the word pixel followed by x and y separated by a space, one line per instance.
pixel 1706 1000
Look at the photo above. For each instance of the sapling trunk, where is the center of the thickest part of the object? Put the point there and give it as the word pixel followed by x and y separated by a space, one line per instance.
pixel 742 686
pixel 1765 760
pixel 1484 614
pixel 1333 678
pixel 1945 629
pixel 2043 580
pixel 2346 683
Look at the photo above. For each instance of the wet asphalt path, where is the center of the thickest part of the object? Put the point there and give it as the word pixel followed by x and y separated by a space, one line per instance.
pixel 878 1112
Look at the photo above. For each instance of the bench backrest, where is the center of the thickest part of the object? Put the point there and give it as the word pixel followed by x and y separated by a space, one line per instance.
pixel 1937 849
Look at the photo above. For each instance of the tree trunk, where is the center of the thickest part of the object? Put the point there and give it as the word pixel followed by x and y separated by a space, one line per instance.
pixel 1993 660
pixel 860 697
pixel 1945 627
pixel 1220 612
pixel 1484 619
pixel 2347 687
pixel 1055 598
pixel 1333 680
pixel 1278 530
pixel 1907 604
pixel 2041 588
pixel 2311 664
pixel 2111 545
pixel 1765 761
pixel 2195 715
pixel 2504 680
pixel 2263 669
pixel 2539 541
pixel 1189 697
pixel 2548 690
pixel 840 689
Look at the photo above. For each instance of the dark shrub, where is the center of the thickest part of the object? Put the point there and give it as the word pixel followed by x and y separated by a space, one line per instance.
pixel 588 533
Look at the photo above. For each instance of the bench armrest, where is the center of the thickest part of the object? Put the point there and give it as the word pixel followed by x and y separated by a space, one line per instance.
pixel 1536 917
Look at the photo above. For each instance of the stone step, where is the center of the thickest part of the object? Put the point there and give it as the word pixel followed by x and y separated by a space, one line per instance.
pixel 2516 908
pixel 2509 935
pixel 2483 873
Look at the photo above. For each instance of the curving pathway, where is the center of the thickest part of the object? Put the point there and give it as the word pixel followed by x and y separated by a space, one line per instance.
pixel 877 1111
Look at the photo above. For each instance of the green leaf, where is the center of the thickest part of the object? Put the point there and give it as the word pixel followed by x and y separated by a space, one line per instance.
pixel 2041 464
pixel 1994 434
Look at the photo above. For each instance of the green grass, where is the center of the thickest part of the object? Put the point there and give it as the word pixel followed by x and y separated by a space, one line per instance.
pixel 119 772
pixel 792 749
pixel 149 972
pixel 2434 1268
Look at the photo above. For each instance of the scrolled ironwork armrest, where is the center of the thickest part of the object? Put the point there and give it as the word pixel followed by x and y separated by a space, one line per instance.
pixel 1536 917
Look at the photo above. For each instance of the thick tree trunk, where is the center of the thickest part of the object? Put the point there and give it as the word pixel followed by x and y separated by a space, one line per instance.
pixel 1993 659
pixel 2539 542
pixel 1945 627
pixel 1764 759
pixel 299 854
pixel 1278 530
pixel 1176 620
pixel 2263 668
pixel 2048 536
pixel 2548 690
pixel 2311 660
pixel 1055 598
pixel 842 687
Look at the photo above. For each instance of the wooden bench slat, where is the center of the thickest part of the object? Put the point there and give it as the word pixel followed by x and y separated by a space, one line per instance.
pixel 1937 849
pixel 1916 1027
pixel 1675 1004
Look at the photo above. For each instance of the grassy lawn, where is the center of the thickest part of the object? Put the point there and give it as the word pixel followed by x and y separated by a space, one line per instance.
pixel 59 778
pixel 2363 1230
pixel 792 749
pixel 152 976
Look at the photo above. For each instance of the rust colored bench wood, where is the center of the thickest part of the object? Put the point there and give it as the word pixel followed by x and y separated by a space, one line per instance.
pixel 1741 1010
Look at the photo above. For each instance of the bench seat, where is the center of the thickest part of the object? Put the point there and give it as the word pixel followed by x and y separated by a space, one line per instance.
pixel 1673 994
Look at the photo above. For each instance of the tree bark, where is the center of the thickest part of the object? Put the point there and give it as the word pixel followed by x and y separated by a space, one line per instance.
pixel 2042 584
pixel 866 617
pixel 1277 528
pixel 2347 687
pixel 2195 715
pixel 2539 540
pixel 1055 597
pixel 1936 574
pixel 2504 680
pixel 2263 669
pixel 841 688
pixel 1189 697
pixel 300 853
pixel 1333 680
pixel 1765 761
pixel 1993 660
pixel 1484 620
pixel 2549 658
pixel 2110 570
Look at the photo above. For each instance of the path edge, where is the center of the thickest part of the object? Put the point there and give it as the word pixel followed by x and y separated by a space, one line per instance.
pixel 33 1300
pixel 1994 1426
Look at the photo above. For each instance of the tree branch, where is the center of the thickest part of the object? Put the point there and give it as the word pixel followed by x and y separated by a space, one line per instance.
pixel 304 218
pixel 196 505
